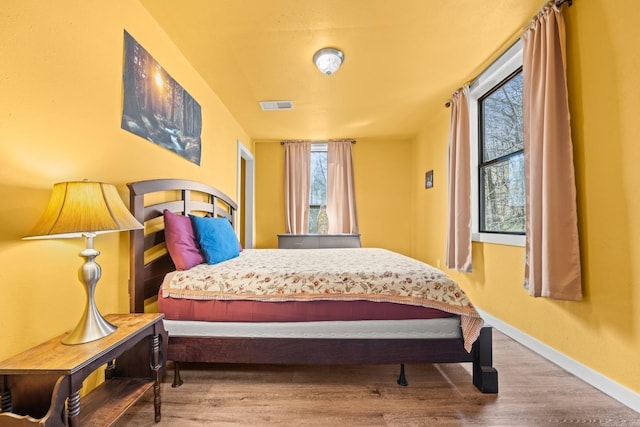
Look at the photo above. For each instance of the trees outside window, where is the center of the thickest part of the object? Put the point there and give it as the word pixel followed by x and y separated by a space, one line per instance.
pixel 318 183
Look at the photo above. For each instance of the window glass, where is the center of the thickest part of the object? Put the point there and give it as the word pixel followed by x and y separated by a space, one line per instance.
pixel 502 196
pixel 318 183
pixel 501 122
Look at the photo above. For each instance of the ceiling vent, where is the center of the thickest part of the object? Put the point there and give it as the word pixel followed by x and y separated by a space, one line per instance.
pixel 276 105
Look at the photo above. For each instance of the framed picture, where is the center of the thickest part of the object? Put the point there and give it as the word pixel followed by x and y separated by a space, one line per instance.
pixel 428 179
pixel 156 107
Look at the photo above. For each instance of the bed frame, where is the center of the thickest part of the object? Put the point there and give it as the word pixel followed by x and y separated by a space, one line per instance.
pixel 150 262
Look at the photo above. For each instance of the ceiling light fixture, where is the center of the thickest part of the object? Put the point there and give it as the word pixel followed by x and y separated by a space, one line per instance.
pixel 328 60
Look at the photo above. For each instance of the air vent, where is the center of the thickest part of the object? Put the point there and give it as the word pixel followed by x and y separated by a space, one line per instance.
pixel 276 105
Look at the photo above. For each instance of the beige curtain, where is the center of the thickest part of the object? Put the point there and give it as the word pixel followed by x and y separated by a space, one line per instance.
pixel 297 167
pixel 458 256
pixel 552 266
pixel 341 198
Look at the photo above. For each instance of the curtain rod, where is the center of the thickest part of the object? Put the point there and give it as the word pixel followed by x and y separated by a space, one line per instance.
pixel 473 80
pixel 322 142
pixel 559 4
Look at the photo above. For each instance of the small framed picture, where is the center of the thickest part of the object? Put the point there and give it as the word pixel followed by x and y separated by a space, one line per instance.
pixel 428 179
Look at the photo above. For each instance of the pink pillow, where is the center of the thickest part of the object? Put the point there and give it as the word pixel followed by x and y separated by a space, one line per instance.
pixel 181 241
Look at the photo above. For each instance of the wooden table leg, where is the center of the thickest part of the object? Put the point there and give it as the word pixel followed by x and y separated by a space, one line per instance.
pixel 73 409
pixel 156 363
pixel 6 396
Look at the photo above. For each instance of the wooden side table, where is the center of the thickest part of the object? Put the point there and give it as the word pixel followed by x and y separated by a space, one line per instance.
pixel 37 383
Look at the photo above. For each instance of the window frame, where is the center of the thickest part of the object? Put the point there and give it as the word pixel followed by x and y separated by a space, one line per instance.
pixel 507 64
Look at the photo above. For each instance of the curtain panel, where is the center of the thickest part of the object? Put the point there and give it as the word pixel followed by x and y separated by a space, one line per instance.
pixel 458 256
pixel 297 160
pixel 341 197
pixel 552 266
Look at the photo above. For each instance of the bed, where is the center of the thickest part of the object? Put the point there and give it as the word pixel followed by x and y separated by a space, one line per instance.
pixel 399 329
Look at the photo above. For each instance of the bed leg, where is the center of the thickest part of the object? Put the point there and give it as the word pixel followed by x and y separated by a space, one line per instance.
pixel 177 381
pixel 485 376
pixel 402 379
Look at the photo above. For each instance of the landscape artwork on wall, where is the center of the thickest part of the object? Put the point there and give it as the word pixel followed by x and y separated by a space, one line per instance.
pixel 156 107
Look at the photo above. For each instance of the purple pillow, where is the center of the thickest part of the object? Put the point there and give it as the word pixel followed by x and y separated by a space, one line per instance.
pixel 181 241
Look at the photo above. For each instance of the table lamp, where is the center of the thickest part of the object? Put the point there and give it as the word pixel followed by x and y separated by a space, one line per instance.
pixel 85 208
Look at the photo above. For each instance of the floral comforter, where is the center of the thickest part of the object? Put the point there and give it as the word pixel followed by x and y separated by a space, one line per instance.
pixel 327 274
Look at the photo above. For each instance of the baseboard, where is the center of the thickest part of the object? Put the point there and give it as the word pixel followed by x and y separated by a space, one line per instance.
pixel 588 375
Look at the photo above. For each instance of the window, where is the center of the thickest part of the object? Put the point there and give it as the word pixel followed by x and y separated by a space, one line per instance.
pixel 497 162
pixel 501 164
pixel 318 183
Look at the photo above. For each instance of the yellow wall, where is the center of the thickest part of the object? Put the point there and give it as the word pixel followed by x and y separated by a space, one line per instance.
pixel 602 331
pixel 382 171
pixel 61 86
pixel 269 193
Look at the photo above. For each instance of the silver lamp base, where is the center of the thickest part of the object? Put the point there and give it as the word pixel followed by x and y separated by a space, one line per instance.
pixel 92 325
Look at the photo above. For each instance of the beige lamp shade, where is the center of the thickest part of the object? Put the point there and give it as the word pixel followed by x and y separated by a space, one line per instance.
pixel 80 207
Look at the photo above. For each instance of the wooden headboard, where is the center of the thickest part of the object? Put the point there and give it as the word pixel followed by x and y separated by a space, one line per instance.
pixel 150 261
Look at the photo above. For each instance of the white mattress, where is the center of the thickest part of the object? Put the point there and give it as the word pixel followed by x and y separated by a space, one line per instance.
pixel 364 329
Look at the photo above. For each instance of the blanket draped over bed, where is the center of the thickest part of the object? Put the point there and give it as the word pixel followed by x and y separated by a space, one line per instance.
pixel 327 274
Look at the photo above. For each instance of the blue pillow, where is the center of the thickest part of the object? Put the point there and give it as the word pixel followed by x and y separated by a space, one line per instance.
pixel 218 242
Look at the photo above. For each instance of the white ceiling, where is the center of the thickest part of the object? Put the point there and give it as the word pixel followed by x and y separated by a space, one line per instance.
pixel 404 58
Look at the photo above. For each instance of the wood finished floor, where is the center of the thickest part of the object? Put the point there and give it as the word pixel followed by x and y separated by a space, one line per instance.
pixel 533 392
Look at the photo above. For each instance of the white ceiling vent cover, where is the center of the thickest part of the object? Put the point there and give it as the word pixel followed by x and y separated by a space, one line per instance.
pixel 276 105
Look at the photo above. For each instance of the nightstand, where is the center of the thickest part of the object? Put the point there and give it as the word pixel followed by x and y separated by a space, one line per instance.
pixel 39 383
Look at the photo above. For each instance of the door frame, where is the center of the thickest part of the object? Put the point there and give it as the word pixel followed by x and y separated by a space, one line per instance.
pixel 246 201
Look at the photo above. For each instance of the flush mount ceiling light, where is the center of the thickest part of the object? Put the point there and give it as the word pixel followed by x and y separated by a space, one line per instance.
pixel 328 60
